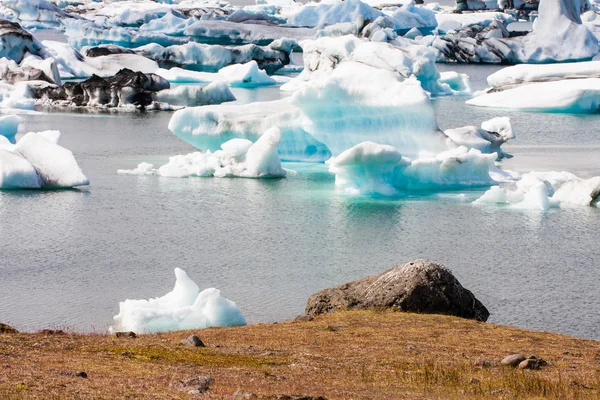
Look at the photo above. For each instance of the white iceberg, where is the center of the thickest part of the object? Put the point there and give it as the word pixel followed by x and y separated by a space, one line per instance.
pixel 186 307
pixel 215 93
pixel 37 161
pixel 323 55
pixel 352 104
pixel 72 64
pixel 526 73
pixel 246 75
pixel 487 139
pixel 567 96
pixel 373 169
pixel 16 172
pixel 55 165
pixel 237 158
pixel 543 190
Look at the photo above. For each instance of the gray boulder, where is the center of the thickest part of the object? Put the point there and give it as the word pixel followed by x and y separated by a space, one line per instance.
pixel 421 286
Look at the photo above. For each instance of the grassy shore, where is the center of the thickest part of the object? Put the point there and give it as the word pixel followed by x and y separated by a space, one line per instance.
pixel 344 355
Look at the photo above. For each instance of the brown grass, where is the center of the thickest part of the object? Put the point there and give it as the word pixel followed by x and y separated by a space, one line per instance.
pixel 345 355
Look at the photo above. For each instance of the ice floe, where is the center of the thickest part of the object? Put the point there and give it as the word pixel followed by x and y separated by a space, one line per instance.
pixel 237 158
pixel 37 161
pixel 567 96
pixel 373 169
pixel 543 190
pixel 185 307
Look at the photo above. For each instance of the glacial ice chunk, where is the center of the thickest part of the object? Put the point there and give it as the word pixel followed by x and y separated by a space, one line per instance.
pixel 487 139
pixel 185 307
pixel 543 190
pixel 373 169
pixel 567 96
pixel 328 116
pixel 16 172
pixel 524 73
pixel 55 165
pixel 246 75
pixel 9 125
pixel 237 158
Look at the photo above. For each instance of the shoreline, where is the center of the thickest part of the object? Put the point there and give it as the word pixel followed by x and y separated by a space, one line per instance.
pixel 346 354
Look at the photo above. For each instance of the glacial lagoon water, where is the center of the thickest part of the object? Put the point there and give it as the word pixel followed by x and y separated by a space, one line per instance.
pixel 69 257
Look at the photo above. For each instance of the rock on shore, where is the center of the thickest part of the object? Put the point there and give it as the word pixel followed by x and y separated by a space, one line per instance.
pixel 421 286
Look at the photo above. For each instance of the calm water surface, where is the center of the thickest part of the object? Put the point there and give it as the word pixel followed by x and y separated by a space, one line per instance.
pixel 69 257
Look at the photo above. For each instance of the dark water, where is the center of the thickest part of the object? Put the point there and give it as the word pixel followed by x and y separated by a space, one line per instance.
pixel 69 257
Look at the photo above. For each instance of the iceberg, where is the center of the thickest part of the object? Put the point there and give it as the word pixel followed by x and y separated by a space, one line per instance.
pixel 72 64
pixel 185 307
pixel 234 33
pixel 204 57
pixel 36 161
pixel 447 22
pixel 544 190
pixel 487 139
pixel 558 36
pixel 323 55
pixel 566 96
pixel 16 172
pixel 326 117
pixel 55 165
pixel 16 41
pixel 246 75
pixel 527 73
pixel 380 170
pixel 237 158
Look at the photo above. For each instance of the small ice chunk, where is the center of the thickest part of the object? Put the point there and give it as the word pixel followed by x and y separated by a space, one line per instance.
pixel 56 165
pixel 9 125
pixel 185 307
pixel 17 173
pixel 579 192
pixel 245 75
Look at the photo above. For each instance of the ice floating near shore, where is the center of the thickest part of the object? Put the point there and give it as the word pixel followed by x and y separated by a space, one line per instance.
pixel 373 169
pixel 185 307
pixel 237 158
pixel 36 161
pixel 543 190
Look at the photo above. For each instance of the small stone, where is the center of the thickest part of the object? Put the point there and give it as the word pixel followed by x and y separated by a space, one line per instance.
pixel 52 332
pixel 475 381
pixel 197 385
pixel 304 318
pixel 193 341
pixel 483 363
pixel 77 374
pixel 532 363
pixel 130 334
pixel 240 394
pixel 7 329
pixel 528 364
pixel 513 360
pixel 335 328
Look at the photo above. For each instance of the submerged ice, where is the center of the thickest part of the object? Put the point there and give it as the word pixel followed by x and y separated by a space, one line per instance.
pixel 185 307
